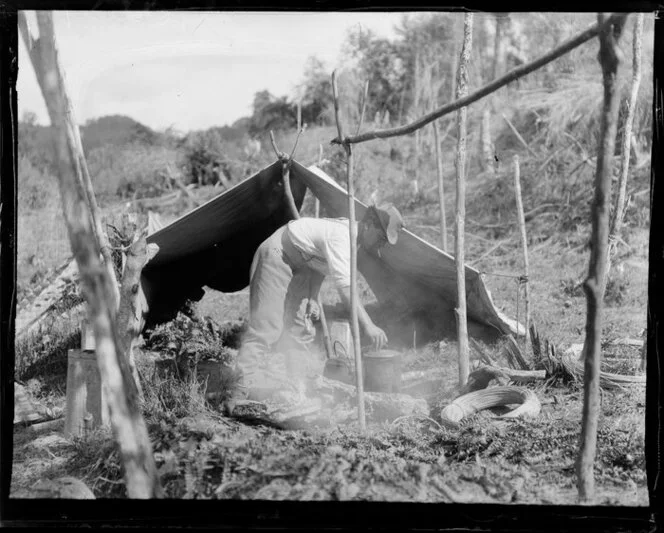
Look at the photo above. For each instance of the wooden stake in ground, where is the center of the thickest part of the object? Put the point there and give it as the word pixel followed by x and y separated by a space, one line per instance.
pixel 619 205
pixel 609 58
pixel 460 164
pixel 355 325
pixel 441 187
pixel 127 422
pixel 327 342
pixel 524 239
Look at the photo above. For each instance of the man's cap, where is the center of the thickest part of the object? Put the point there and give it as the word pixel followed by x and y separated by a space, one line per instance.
pixel 390 220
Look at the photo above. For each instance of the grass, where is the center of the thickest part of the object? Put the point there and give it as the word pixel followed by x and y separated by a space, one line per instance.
pixel 201 454
pixel 484 461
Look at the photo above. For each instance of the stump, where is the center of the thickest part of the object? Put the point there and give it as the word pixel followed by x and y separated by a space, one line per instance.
pixel 86 406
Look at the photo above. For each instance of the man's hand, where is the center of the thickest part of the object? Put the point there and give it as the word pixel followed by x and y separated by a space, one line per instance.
pixel 377 336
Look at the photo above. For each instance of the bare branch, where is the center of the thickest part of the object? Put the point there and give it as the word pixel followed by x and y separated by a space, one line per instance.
pixel 277 152
pixel 299 132
pixel 511 76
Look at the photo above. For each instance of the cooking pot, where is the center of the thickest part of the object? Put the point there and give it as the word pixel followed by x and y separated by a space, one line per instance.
pixel 382 370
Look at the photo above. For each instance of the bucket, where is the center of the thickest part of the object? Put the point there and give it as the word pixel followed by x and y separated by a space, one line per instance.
pixel 341 339
pixel 382 371
pixel 339 369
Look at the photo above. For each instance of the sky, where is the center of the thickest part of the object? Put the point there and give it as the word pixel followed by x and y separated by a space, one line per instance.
pixel 186 70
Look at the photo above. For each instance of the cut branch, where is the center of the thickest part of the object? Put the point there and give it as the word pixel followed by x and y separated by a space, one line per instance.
pixel 465 101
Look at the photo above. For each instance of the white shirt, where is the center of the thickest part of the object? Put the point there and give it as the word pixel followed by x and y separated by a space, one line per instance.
pixel 325 245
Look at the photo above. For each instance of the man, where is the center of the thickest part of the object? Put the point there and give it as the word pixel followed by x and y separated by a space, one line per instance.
pixel 286 275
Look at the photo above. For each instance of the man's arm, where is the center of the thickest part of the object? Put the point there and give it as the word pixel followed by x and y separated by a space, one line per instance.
pixel 376 334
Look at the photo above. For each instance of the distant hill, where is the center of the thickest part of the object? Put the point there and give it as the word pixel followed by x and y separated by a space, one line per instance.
pixel 115 130
pixel 35 141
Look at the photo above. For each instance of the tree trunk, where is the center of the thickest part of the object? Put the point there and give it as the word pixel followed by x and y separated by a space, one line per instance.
pixel 524 239
pixel 127 422
pixel 460 164
pixel 354 299
pixel 619 206
pixel 609 58
pixel 133 305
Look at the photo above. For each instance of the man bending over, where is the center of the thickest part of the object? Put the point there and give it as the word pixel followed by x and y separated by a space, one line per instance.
pixel 287 272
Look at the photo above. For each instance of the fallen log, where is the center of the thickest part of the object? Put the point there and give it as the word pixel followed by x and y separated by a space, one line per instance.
pixel 569 364
pixel 476 401
pixel 573 366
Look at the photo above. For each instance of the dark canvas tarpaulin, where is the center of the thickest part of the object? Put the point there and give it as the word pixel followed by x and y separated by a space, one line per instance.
pixel 413 274
pixel 214 244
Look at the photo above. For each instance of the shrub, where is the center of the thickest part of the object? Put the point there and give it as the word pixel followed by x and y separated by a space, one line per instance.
pixel 37 189
pixel 131 170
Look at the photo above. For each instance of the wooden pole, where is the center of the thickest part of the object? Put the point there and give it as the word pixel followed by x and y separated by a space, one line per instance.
pixel 619 206
pixel 460 164
pixel 441 187
pixel 120 389
pixel 524 240
pixel 355 325
pixel 323 319
pixel 609 58
pixel 491 87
